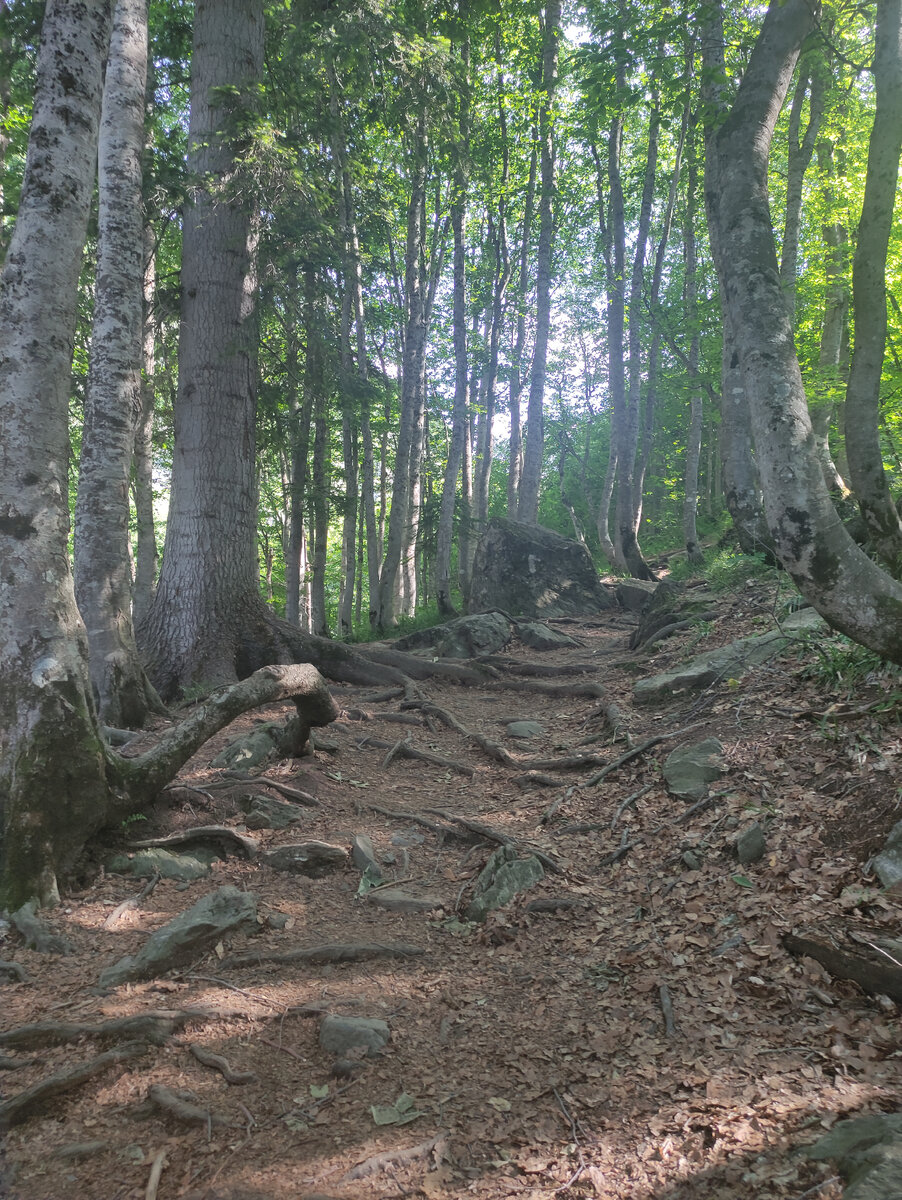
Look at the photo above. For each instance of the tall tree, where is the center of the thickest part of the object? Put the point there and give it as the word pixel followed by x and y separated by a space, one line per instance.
pixel 869 293
pixel 113 408
pixel 207 623
pixel 530 483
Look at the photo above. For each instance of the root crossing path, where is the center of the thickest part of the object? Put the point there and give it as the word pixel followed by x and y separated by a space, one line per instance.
pixel 630 1025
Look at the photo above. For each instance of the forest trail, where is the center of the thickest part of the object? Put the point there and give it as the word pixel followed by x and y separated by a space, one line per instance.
pixel 643 1034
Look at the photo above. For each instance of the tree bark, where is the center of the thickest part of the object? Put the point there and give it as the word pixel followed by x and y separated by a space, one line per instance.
pixel 862 414
pixel 113 408
pixel 842 583
pixel 530 483
pixel 146 557
pixel 690 300
pixel 515 459
pixel 51 759
pixel 207 625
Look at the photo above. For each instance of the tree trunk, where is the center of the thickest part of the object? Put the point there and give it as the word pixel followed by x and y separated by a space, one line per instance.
pixel 113 408
pixel 315 387
pixel 515 460
pixel 146 557
pixel 207 623
pixel 530 483
pixel 690 300
pixel 832 360
pixel 811 83
pixel 862 415
pixel 842 583
pixel 397 539
pixel 52 778
pixel 300 413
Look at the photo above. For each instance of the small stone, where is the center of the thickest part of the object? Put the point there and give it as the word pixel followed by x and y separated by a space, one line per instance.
pixel 750 845
pixel 338 1035
pixel 363 856
pixel 524 729
pixel 503 877
pixel 690 861
pixel 277 920
pixel 887 865
pixel 250 750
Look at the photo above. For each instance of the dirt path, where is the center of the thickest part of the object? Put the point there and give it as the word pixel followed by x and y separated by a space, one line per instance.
pixel 646 1038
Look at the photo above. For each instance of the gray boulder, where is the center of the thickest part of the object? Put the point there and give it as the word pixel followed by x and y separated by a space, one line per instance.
pixel 339 1035
pixel 306 858
pixel 534 572
pixel 728 662
pixel 470 637
pixel 868 1152
pixel 503 877
pixel 689 769
pixel 363 856
pixel 251 749
pixel 263 812
pixel 542 637
pixel 634 594
pixel 397 900
pixel 750 845
pixel 185 937
pixel 524 729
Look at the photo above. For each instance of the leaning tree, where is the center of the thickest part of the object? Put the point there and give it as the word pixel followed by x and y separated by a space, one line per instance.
pixel 851 591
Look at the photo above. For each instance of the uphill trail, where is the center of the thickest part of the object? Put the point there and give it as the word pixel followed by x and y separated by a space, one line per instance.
pixel 630 1025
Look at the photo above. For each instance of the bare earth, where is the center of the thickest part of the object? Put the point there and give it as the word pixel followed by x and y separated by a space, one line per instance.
pixel 536 1051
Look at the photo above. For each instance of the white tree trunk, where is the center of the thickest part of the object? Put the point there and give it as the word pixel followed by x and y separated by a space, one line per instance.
pixel 52 782
pixel 113 407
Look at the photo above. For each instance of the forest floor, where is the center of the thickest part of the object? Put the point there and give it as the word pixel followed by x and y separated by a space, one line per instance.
pixel 534 1051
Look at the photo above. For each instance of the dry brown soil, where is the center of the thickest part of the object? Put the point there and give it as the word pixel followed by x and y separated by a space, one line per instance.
pixel 534 1047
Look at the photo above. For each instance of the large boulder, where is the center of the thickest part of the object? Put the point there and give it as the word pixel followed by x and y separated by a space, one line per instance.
pixel 534 572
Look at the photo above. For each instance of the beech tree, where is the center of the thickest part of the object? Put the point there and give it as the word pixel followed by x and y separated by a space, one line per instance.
pixel 851 591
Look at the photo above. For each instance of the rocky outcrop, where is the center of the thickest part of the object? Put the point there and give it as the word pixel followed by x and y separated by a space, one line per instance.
pixel 534 572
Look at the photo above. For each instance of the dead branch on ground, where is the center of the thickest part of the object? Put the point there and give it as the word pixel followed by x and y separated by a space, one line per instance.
pixel 21 1106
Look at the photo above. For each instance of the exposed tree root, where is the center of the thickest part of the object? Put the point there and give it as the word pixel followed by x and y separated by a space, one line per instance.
pixel 339 952
pixel 183 1110
pixel 404 749
pixel 36 934
pixel 570 690
pixel 208 1059
pixel 397 1158
pixel 636 752
pixel 873 968
pixel 226 838
pixel 414 818
pixel 20 1107
pixel 515 666
pixel 130 904
pixel 154 1027
pixel 15 969
pixel 494 835
pixel 290 793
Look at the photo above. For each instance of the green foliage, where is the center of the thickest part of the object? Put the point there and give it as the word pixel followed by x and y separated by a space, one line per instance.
pixel 840 665
pixel 730 571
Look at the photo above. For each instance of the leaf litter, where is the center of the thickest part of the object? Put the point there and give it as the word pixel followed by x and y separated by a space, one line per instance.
pixel 640 1032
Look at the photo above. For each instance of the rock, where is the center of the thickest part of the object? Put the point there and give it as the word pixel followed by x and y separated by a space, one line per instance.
pixel 185 937
pixel 396 900
pixel 531 571
pixel 467 637
pixel 146 863
pixel 750 845
pixel 541 637
pixel 690 860
pixel 524 729
pixel 728 662
pixel 363 856
pixel 252 749
pixel 503 877
pixel 263 812
pixel 689 769
pixel 306 858
pixel 277 920
pixel 634 594
pixel 868 1152
pixel 338 1035
pixel 887 865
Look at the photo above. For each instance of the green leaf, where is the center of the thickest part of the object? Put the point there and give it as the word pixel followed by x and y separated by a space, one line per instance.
pixel 742 880
pixel 319 1091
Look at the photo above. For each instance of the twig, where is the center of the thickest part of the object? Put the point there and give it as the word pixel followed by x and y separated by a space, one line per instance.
pixel 667 1009
pixel 331 953
pixel 132 902
pixel 393 752
pixel 701 805
pixel 818 1187
pixel 290 793
pixel 283 1049
pixel 624 848
pixel 183 1110
pixel 630 800
pixel 224 983
pixel 156 1172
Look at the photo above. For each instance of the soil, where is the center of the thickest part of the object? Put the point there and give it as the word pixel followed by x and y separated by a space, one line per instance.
pixel 536 1052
